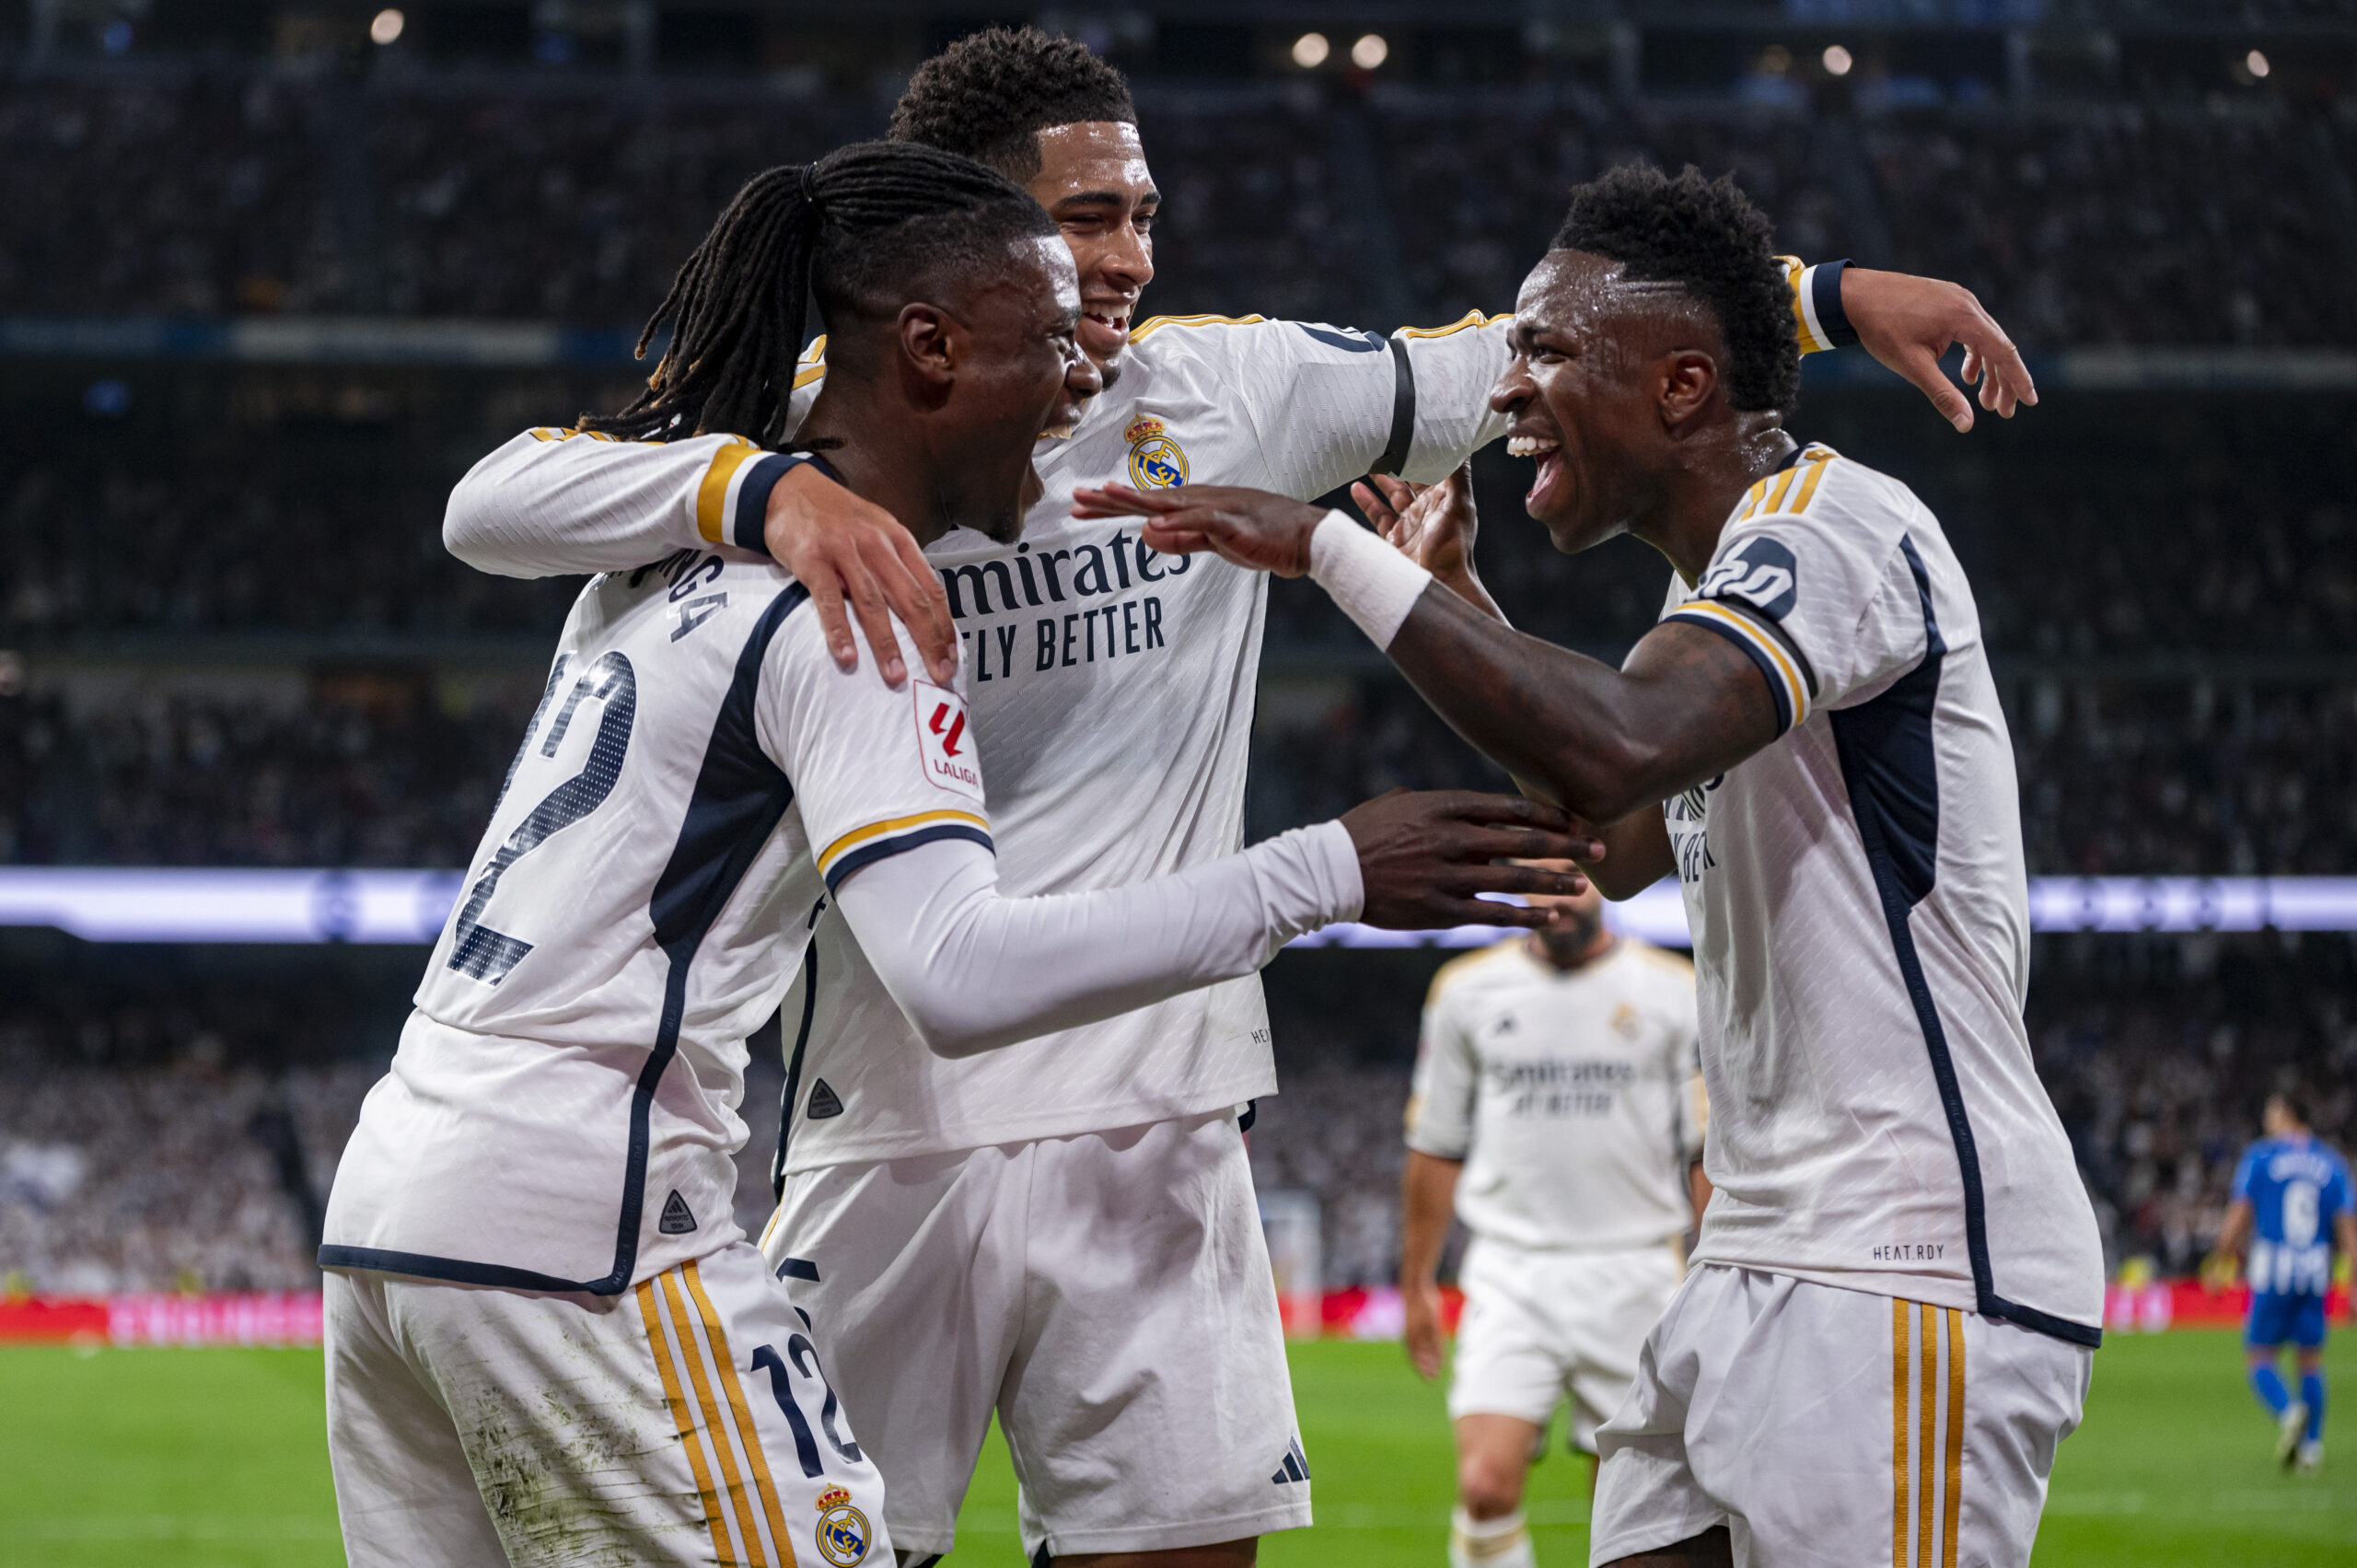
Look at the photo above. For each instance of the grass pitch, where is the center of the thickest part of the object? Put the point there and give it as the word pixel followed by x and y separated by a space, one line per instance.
pixel 215 1458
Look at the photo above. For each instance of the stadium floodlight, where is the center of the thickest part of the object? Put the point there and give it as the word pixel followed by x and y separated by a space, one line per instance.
pixel 2256 63
pixel 1369 52
pixel 386 25
pixel 1837 60
pixel 1309 51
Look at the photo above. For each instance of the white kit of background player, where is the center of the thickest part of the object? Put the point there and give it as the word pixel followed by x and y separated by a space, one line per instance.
pixel 1573 1098
pixel 1066 1229
pixel 715 778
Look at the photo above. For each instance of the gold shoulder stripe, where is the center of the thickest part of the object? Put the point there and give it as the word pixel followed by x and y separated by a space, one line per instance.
pixel 808 374
pixel 1146 329
pixel 1470 319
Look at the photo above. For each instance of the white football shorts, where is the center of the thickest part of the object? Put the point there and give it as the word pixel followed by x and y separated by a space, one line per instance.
pixel 1108 1294
pixel 1826 1425
pixel 1542 1327
pixel 687 1420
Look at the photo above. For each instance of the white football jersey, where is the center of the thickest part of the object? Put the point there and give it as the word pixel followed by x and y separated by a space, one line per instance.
pixel 1861 926
pixel 1112 688
pixel 562 1112
pixel 1574 1100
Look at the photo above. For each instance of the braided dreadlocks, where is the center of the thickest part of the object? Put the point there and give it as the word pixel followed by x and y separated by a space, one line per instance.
pixel 859 230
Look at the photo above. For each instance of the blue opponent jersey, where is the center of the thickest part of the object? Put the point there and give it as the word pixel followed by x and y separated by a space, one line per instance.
pixel 2297 1187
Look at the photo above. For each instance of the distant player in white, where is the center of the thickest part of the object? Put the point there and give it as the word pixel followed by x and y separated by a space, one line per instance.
pixel 1051 1231
pixel 548 1343
pixel 1898 1282
pixel 1558 1111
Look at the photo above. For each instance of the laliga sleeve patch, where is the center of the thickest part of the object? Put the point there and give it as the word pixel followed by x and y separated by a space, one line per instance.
pixel 1762 572
pixel 945 741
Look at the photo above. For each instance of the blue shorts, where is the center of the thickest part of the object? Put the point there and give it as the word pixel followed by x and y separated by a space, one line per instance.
pixel 2285 1319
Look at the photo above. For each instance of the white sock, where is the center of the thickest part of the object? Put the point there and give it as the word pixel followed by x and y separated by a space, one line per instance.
pixel 1490 1543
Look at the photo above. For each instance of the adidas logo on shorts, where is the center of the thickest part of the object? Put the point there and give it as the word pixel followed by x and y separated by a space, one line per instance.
pixel 1294 1467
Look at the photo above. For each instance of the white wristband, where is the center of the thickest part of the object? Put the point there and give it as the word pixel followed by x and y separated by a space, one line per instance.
pixel 1374 583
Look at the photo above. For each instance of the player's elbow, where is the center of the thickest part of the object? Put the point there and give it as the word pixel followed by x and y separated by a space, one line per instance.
pixel 467 535
pixel 1603 779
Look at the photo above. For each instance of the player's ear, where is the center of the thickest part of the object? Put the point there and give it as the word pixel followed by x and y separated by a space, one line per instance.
pixel 931 343
pixel 1689 376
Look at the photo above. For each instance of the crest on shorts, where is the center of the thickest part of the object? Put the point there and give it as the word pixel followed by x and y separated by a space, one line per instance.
pixel 1157 460
pixel 842 1534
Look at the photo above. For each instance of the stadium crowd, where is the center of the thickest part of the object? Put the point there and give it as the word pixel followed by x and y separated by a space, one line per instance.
pixel 185 1136
pixel 210 190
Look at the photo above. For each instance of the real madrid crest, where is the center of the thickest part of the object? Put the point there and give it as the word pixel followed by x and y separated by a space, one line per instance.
pixel 842 1534
pixel 1157 460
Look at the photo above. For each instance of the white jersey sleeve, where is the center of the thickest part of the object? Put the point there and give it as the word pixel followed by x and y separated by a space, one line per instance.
pixel 891 796
pixel 1448 1074
pixel 559 502
pixel 1824 601
pixel 1331 404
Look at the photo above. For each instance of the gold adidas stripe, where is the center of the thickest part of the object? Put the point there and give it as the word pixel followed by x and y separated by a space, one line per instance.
pixel 1955 1436
pixel 747 1435
pixel 1145 329
pixel 666 1364
pixel 1899 1383
pixel 693 1354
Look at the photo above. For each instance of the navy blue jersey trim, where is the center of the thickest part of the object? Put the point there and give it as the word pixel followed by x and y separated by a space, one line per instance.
pixel 794 1062
pixel 798 1269
pixel 885 849
pixel 1757 656
pixel 1403 411
pixel 428 1267
pixel 1890 771
pixel 1825 293
pixel 747 523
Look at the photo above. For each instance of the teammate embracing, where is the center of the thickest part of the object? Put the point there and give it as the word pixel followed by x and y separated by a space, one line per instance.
pixel 548 1343
pixel 1898 1284
pixel 1558 1102
pixel 1066 1231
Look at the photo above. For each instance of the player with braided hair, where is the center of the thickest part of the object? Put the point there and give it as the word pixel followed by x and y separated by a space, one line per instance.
pixel 548 1343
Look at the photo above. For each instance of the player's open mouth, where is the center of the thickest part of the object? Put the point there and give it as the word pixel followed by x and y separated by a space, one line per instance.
pixel 1549 480
pixel 1107 327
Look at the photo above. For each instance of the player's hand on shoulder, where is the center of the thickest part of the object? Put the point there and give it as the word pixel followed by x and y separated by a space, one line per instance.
pixel 850 551
pixel 1908 322
pixel 1254 529
pixel 1425 857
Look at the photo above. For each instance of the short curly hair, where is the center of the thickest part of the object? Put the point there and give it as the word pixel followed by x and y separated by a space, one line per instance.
pixel 1706 236
pixel 990 94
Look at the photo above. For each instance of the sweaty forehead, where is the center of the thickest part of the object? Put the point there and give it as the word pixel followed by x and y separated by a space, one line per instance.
pixel 1578 291
pixel 1090 157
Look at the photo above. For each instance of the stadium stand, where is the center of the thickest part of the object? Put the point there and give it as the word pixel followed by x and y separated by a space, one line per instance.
pixel 229 636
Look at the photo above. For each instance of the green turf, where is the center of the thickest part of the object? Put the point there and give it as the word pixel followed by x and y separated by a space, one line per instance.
pixel 206 1458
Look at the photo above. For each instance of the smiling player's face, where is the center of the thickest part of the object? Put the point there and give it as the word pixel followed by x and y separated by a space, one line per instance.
pixel 1093 182
pixel 1021 376
pixel 1580 395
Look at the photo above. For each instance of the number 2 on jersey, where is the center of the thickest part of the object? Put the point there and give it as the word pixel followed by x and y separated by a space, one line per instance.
pixel 475 948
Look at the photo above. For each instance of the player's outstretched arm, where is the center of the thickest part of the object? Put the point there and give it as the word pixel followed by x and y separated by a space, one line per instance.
pixel 1603 743
pixel 974 969
pixel 553 503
